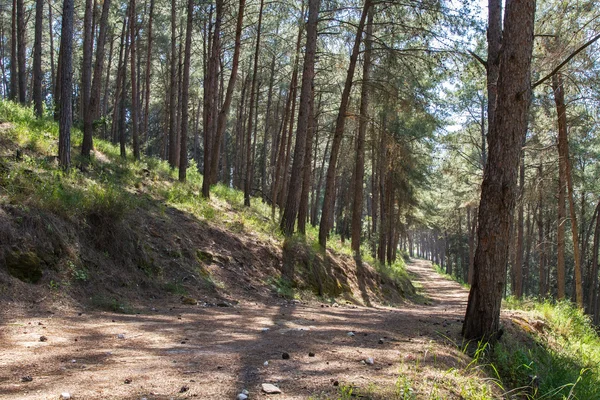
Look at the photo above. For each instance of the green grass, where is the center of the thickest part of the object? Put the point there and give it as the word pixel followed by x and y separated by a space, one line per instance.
pixel 564 363
pixel 452 277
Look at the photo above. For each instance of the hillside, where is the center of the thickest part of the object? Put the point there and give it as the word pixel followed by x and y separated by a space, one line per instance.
pixel 116 234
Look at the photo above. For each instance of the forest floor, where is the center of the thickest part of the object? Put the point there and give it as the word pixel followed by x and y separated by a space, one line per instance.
pixel 175 351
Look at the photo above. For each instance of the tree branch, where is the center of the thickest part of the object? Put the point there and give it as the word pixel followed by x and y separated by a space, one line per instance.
pixel 481 60
pixel 566 60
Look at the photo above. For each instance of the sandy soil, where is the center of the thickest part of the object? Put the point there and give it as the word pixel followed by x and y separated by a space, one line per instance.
pixel 182 351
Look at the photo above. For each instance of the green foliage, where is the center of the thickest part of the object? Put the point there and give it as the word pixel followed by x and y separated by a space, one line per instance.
pixel 79 274
pixel 283 287
pixel 453 277
pixel 561 362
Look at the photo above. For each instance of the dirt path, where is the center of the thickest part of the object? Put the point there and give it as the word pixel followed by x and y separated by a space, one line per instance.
pixel 215 352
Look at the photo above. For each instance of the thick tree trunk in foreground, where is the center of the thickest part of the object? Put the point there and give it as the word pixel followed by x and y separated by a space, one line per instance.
pixel 66 85
pixel 292 204
pixel 499 192
pixel 328 202
pixel 563 153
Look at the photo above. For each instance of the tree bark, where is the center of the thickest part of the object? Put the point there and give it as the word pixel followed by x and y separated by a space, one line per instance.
pixel 134 87
pixel 173 89
pixel 494 40
pixel 594 270
pixel 498 193
pixel 185 93
pixel 328 205
pixel 307 172
pixel 359 170
pixel 66 76
pixel 543 290
pixel 21 49
pixel 86 78
pixel 148 73
pixel 51 36
pixel 96 91
pixel 14 72
pixel 249 164
pixel 292 205
pixel 37 59
pixel 280 155
pixel 211 177
pixel 518 273
pixel 563 153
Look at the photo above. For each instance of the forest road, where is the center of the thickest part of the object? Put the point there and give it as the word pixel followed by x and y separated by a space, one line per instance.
pixel 179 351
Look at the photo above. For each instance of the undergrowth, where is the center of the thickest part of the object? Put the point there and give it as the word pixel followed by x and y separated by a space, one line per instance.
pixel 453 277
pixel 563 363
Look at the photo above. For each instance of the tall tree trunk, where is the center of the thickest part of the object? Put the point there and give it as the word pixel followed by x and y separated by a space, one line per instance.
pixel 563 153
pixel 148 74
pixel 221 121
pixel 66 85
pixel 248 179
pixel 541 245
pixel 518 273
pixel 118 88
pixel 594 270
pixel 359 170
pixel 210 95
pixel 222 117
pixel 21 55
pixel 328 201
pixel 4 83
pixel 94 104
pixel 86 77
pixel 173 89
pixel 104 109
pixel 307 169
pixel 264 167
pixel 292 205
pixel 560 230
pixel 14 71
pixel 124 90
pixel 51 36
pixel 37 59
pixel 494 41
pixel 498 193
pixel 471 226
pixel 183 157
pixel 287 115
pixel 134 87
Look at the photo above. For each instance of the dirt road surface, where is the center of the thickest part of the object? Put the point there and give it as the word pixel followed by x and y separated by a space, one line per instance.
pixel 183 351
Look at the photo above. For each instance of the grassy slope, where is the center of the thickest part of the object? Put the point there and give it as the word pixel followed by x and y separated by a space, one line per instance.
pixel 123 231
